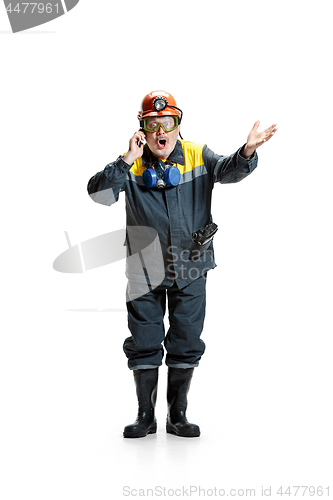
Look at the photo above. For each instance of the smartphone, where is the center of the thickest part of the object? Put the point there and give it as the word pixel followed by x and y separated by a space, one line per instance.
pixel 139 143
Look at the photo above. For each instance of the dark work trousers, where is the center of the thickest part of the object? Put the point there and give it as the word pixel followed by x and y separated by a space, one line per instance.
pixel 186 318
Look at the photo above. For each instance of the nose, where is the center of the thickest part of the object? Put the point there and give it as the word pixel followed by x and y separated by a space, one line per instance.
pixel 161 130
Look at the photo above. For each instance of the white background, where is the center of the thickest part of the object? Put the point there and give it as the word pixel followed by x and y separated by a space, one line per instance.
pixel 70 92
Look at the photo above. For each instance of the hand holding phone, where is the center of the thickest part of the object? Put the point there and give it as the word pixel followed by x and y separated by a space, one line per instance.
pixel 135 150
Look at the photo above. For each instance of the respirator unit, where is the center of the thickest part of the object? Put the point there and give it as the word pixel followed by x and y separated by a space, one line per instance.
pixel 161 175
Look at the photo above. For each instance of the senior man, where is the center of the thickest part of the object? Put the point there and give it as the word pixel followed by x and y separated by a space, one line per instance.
pixel 168 185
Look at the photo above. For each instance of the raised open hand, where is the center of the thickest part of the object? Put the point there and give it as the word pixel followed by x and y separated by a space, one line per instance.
pixel 256 139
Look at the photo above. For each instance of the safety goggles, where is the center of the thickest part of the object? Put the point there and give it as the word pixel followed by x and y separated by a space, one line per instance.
pixel 153 123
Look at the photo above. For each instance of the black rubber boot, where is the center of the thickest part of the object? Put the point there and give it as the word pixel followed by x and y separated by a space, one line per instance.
pixel 146 390
pixel 179 380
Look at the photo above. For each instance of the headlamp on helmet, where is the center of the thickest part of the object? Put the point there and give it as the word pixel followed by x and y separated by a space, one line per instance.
pixel 160 103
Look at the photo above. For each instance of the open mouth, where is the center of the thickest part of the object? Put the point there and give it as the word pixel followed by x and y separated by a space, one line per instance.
pixel 161 143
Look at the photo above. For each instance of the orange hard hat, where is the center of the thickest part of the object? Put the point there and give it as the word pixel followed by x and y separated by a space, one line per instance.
pixel 159 103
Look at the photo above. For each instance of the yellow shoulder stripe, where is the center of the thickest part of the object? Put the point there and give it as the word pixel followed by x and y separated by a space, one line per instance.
pixel 192 155
pixel 137 168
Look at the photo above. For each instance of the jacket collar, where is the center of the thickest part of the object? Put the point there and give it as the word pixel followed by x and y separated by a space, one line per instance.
pixel 177 155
